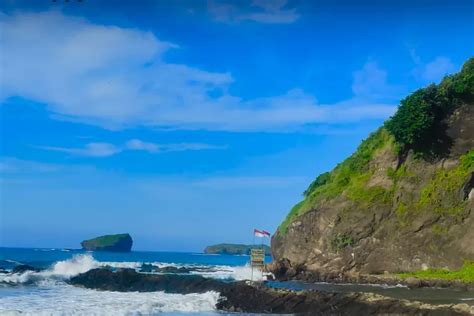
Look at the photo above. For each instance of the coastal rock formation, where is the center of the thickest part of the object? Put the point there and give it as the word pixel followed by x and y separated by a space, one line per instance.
pixel 146 267
pixel 234 249
pixel 258 298
pixel 128 280
pixel 118 242
pixel 246 298
pixel 24 268
pixel 403 201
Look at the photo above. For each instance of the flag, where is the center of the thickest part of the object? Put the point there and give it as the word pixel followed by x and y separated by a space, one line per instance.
pixel 261 233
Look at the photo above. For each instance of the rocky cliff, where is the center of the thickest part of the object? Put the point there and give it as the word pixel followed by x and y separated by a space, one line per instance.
pixel 403 201
pixel 118 242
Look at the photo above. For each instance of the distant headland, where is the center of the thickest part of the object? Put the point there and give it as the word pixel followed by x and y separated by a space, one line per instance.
pixel 118 242
pixel 234 249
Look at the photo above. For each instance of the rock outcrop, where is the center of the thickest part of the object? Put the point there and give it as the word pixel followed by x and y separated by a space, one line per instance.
pixel 246 298
pixel 128 280
pixel 118 242
pixel 258 298
pixel 389 208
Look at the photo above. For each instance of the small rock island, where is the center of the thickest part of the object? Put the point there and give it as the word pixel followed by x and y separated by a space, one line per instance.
pixel 234 249
pixel 118 243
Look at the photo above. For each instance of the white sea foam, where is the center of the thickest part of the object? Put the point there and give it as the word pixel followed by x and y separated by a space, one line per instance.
pixel 68 300
pixel 59 271
pixel 218 271
pixel 238 273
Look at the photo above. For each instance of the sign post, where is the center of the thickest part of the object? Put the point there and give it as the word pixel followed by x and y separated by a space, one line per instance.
pixel 257 255
pixel 257 259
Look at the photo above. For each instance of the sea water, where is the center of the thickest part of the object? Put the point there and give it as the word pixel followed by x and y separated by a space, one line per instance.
pixel 47 293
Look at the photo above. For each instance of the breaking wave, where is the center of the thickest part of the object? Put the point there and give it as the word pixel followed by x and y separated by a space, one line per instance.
pixel 59 271
pixel 68 300
pixel 63 270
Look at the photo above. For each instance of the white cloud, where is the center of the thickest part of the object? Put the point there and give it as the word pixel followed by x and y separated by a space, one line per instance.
pixel 89 150
pixel 136 144
pixel 116 77
pixel 107 149
pixel 435 70
pixel 261 11
pixel 371 82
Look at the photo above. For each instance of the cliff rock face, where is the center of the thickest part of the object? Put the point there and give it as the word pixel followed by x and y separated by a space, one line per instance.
pixel 389 207
pixel 119 243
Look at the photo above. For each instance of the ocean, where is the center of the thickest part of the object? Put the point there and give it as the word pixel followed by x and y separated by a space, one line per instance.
pixel 47 293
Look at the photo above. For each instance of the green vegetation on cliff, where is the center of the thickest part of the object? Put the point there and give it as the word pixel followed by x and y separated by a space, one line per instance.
pixel 418 123
pixel 419 126
pixel 351 175
pixel 465 274
pixel 442 193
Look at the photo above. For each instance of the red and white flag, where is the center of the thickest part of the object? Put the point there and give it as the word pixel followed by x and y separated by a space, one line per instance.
pixel 261 233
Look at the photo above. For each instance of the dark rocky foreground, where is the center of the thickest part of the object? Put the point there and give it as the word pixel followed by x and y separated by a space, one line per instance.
pixel 283 270
pixel 24 267
pixel 128 280
pixel 261 299
pixel 258 298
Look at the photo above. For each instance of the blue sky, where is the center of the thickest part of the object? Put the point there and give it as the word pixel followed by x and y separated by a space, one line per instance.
pixel 192 122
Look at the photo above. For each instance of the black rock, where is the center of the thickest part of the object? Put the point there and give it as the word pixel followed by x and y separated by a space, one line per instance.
pixel 258 298
pixel 242 297
pixel 146 267
pixel 125 280
pixel 23 268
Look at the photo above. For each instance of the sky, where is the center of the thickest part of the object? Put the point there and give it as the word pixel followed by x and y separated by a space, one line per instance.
pixel 188 123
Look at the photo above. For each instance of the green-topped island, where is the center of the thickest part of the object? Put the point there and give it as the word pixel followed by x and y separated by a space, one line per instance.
pixel 117 242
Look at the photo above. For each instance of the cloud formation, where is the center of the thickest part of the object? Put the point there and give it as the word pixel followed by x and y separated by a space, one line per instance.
pixel 433 71
pixel 261 11
pixel 108 149
pixel 116 78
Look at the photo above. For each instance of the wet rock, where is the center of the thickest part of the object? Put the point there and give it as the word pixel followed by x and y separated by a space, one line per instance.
pixel 23 268
pixel 146 267
pixel 125 280
pixel 171 269
pixel 413 282
pixel 242 297
pixel 257 298
pixel 281 269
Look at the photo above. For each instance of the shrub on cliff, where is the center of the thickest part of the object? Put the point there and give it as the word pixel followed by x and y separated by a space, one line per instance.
pixel 418 123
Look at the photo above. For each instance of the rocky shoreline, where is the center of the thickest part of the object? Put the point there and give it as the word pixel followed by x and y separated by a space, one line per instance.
pixel 284 271
pixel 258 298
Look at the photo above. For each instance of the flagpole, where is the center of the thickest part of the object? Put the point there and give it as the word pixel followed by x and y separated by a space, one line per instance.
pixel 251 263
